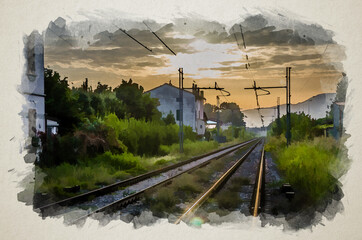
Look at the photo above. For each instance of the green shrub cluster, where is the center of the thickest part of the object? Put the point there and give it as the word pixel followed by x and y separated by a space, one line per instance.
pixel 309 165
pixel 303 127
pixel 237 133
pixel 141 137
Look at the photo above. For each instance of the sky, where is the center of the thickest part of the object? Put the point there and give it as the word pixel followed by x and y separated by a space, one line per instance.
pixel 208 51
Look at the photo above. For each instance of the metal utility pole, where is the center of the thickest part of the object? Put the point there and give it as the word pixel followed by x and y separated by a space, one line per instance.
pixel 288 134
pixel 288 96
pixel 195 89
pixel 218 117
pixel 181 106
pixel 232 123
pixel 278 115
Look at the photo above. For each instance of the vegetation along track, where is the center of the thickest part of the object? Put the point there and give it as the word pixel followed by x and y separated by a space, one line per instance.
pixel 136 185
pixel 220 182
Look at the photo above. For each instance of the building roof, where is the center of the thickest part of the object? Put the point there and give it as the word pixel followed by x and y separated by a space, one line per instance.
pixel 166 84
pixel 170 85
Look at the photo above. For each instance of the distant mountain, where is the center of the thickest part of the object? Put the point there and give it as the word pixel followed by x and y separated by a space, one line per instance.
pixel 315 106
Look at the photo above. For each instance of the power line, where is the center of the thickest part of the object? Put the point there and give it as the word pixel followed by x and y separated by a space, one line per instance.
pixel 242 36
pixel 159 39
pixel 124 31
pixel 248 68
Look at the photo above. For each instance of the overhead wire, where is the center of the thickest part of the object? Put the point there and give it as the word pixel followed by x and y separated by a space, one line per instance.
pixel 248 67
pixel 159 38
pixel 134 39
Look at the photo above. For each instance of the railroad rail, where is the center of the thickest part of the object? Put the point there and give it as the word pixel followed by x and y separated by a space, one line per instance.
pixel 45 210
pixel 216 186
pixel 259 187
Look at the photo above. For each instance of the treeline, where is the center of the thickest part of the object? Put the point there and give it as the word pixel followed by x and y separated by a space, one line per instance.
pixel 228 113
pixel 303 127
pixel 93 122
pixel 71 107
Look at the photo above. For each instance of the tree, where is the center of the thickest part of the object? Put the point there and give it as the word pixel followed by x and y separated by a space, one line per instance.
pixel 229 113
pixel 60 102
pixel 169 119
pixel 302 127
pixel 232 113
pixel 137 104
pixel 97 104
pixel 102 88
pixel 83 102
pixel 209 110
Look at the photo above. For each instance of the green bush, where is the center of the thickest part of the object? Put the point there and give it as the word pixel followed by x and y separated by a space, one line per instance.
pixel 275 144
pixel 237 133
pixel 141 137
pixel 59 149
pixel 303 127
pixel 308 166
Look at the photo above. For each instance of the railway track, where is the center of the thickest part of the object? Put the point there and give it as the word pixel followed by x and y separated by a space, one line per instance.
pixel 172 171
pixel 256 199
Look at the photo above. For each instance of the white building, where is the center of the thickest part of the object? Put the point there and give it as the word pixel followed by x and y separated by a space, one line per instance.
pixel 193 105
pixel 32 87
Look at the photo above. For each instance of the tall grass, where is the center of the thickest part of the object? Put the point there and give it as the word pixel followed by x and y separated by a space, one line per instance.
pixel 313 167
pixel 190 148
pixel 90 173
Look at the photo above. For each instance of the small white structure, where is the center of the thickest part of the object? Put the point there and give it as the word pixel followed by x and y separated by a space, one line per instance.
pixel 32 86
pixel 211 124
pixel 193 105
pixel 52 127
